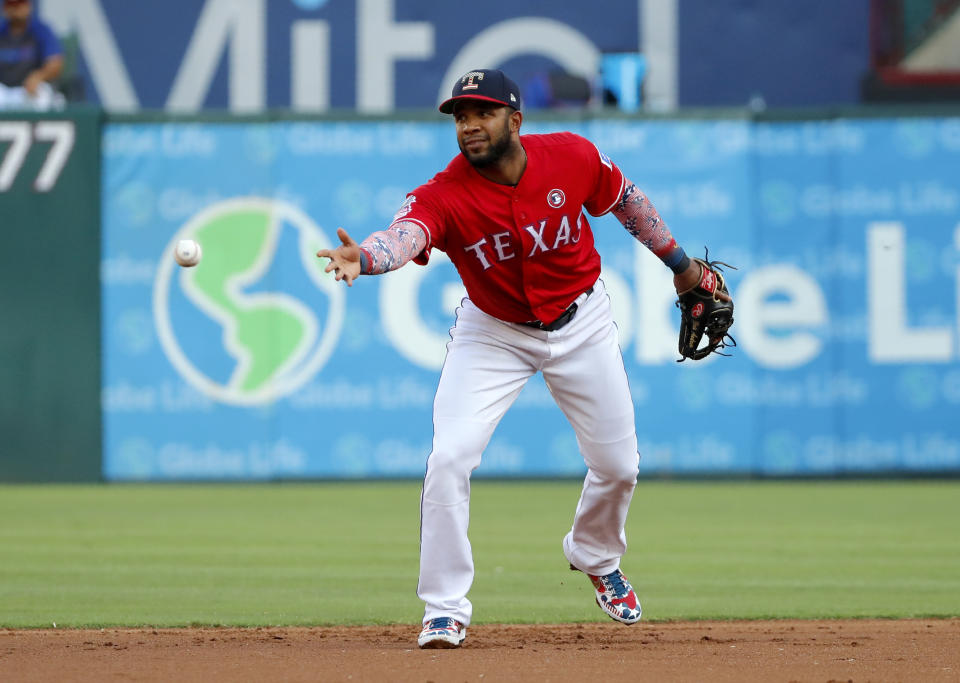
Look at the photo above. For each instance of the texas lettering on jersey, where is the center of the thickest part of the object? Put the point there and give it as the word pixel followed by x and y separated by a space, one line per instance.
pixel 524 252
pixel 502 248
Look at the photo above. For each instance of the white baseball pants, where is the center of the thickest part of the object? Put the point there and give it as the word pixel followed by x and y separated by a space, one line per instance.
pixel 488 362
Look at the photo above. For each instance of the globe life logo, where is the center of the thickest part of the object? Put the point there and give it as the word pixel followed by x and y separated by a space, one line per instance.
pixel 251 294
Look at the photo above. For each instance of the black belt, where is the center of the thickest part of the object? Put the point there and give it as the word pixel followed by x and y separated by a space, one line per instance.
pixel 564 318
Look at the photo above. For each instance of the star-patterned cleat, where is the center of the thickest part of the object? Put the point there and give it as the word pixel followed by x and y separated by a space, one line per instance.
pixel 442 633
pixel 616 597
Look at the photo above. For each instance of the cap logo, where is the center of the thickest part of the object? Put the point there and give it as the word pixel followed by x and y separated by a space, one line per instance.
pixel 467 82
pixel 512 98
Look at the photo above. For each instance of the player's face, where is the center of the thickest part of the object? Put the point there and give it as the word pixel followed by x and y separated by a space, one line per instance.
pixel 483 131
pixel 16 10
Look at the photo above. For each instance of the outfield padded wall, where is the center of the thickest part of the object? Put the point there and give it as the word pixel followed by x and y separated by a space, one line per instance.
pixel 256 365
pixel 50 422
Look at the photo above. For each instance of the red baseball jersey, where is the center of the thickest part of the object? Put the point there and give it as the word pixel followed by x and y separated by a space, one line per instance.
pixel 525 252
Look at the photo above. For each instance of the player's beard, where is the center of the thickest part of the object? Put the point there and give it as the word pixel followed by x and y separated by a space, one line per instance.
pixel 495 152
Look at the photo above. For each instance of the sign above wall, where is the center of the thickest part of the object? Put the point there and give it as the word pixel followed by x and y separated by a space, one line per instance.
pixel 378 56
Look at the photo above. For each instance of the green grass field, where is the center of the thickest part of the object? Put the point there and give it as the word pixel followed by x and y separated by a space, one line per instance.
pixel 303 554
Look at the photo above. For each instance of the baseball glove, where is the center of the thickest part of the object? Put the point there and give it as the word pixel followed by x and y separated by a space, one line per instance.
pixel 703 313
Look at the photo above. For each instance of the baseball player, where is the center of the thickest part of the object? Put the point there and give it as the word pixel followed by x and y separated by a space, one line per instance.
pixel 509 211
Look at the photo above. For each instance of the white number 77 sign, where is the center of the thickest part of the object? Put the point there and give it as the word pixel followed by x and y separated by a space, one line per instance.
pixel 20 134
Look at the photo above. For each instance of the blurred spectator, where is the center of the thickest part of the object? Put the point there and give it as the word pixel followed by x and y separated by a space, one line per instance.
pixel 556 89
pixel 30 58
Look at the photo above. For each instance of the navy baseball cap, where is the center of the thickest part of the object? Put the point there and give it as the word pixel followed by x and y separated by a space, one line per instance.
pixel 489 85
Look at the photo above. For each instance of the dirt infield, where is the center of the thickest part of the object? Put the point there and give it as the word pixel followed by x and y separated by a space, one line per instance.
pixel 868 650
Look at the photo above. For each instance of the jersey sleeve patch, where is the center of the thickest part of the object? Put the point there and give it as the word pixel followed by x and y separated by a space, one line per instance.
pixel 604 159
pixel 608 184
pixel 405 208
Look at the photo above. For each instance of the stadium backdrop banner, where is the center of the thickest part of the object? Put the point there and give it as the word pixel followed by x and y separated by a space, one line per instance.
pixel 257 365
pixel 383 55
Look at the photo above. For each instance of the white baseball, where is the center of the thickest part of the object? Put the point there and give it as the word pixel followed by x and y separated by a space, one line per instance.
pixel 188 253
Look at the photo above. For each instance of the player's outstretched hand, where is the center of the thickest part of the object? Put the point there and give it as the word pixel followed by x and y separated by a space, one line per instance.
pixel 344 260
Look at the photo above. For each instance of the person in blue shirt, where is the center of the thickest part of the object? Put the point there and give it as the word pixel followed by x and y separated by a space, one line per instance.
pixel 30 53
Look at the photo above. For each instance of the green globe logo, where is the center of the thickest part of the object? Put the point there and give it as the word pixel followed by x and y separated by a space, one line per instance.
pixel 258 317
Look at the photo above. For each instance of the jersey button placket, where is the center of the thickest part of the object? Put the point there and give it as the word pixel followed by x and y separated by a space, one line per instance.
pixel 520 219
pixel 520 216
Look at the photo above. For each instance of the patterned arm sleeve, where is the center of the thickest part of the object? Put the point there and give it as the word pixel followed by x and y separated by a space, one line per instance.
pixel 641 220
pixel 389 249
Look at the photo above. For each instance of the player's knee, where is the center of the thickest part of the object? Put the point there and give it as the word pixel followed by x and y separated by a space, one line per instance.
pixel 624 471
pixel 449 462
pixel 449 466
pixel 616 462
pixel 458 444
pixel 448 477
